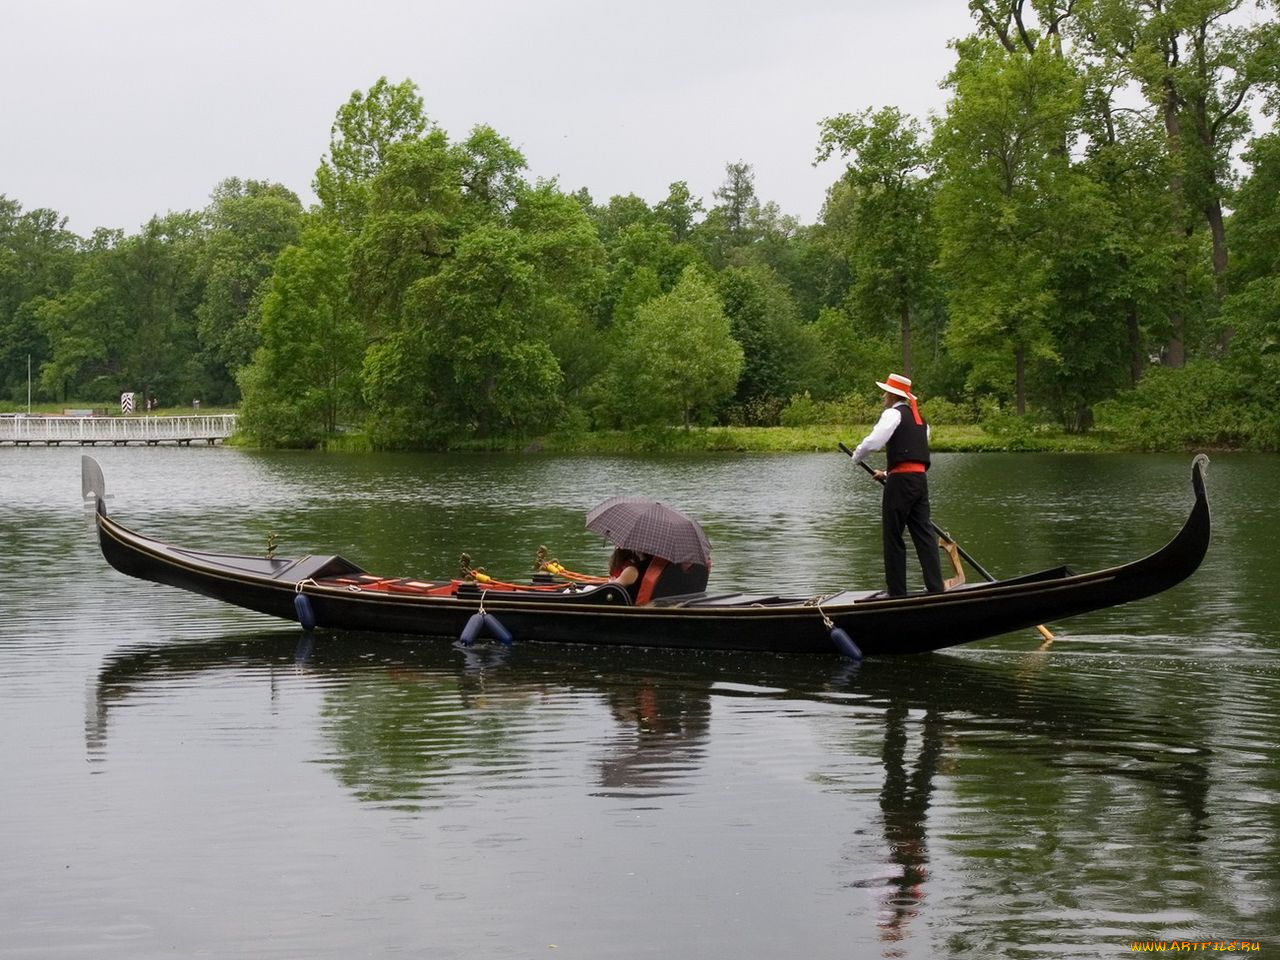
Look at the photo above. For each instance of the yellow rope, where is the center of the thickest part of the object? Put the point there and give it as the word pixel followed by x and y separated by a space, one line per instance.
pixel 559 569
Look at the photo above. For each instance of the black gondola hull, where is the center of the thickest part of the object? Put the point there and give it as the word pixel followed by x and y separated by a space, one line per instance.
pixel 878 624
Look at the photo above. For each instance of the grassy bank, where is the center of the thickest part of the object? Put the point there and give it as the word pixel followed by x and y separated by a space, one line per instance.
pixel 821 438
pixel 949 438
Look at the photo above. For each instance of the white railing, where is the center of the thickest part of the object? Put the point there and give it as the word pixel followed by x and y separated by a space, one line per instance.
pixel 118 430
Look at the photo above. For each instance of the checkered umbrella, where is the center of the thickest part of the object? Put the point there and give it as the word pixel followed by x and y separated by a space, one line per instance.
pixel 638 523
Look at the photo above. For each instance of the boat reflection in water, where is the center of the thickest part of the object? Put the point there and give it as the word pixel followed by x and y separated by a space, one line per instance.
pixel 418 727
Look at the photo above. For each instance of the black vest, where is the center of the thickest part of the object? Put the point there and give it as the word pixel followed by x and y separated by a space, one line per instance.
pixel 910 441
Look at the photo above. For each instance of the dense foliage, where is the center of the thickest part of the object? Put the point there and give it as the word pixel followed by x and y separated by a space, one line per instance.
pixel 1085 237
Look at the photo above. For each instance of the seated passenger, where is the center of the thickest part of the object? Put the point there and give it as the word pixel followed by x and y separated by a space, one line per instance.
pixel 627 568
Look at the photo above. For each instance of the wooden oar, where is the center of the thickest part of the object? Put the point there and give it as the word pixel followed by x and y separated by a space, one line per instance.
pixel 1044 631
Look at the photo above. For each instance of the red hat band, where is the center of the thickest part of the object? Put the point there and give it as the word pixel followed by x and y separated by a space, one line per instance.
pixel 899 383
pixel 902 385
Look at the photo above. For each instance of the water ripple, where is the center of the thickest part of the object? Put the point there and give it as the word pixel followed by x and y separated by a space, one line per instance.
pixel 341 796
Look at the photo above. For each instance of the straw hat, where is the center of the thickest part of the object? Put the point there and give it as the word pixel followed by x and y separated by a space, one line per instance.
pixel 897 384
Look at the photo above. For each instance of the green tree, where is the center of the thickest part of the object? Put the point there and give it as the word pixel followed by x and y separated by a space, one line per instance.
pixel 469 357
pixel 415 217
pixel 618 214
pixel 777 349
pixel 1128 275
pixel 37 261
pixel 1199 70
pixel 1021 26
pixel 641 251
pixel 682 360
pixel 730 225
pixel 737 196
pixel 1256 221
pixel 895 244
pixel 304 378
pixel 1091 284
pixel 822 255
pixel 1253 307
pixel 84 326
pixel 571 264
pixel 475 349
pixel 364 130
pixel 127 322
pixel 1006 187
pixel 249 223
pixel 851 353
pixel 679 211
pixel 491 172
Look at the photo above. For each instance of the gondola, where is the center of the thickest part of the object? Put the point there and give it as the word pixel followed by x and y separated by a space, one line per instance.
pixel 331 592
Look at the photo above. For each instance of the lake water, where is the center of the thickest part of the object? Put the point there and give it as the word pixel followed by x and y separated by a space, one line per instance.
pixel 182 779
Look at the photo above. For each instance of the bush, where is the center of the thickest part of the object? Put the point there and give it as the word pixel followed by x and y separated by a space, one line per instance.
pixel 1204 404
pixel 802 411
pixel 937 410
pixel 858 408
pixel 756 412
pixel 281 425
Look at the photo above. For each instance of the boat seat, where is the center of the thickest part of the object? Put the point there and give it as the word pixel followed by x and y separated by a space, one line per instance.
pixel 662 580
pixel 734 600
pixel 680 600
pixel 852 596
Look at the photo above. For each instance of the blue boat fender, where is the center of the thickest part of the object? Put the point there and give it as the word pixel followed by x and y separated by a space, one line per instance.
pixel 302 607
pixel 840 637
pixel 493 626
pixel 472 630
pixel 844 643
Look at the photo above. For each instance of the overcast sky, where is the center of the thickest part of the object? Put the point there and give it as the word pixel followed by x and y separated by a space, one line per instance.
pixel 114 111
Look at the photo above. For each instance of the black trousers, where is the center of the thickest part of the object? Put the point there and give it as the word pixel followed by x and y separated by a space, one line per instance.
pixel 906 504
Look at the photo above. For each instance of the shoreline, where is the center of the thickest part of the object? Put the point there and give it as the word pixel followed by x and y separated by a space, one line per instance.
pixel 812 439
pixel 947 438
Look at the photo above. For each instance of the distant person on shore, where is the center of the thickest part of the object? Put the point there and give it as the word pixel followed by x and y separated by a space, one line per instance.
pixel 904 436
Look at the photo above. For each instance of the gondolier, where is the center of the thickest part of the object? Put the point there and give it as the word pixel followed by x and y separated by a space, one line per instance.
pixel 904 436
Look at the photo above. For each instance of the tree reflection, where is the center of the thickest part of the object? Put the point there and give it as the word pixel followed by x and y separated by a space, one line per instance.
pixel 1021 739
pixel 410 726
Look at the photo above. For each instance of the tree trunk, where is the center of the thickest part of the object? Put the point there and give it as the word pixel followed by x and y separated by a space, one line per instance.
pixel 905 322
pixel 1137 355
pixel 1175 349
pixel 1213 213
pixel 1020 385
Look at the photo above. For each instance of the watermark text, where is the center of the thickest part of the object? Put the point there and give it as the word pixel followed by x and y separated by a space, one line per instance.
pixel 1195 946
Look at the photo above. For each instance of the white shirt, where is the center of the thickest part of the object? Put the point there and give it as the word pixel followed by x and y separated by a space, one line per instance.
pixel 882 431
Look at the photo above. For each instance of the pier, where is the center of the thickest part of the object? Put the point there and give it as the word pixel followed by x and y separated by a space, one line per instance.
pixel 118 431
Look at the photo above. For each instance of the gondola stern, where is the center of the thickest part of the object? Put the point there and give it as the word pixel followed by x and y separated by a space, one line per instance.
pixel 1178 559
pixel 1192 541
pixel 1199 465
